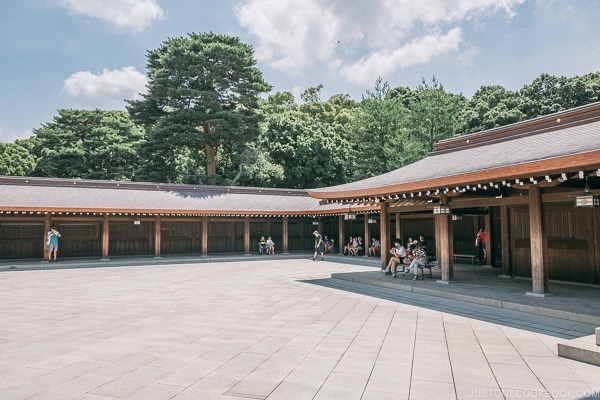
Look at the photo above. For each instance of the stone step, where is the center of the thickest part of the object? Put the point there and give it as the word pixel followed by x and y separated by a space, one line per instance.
pixel 598 336
pixel 585 349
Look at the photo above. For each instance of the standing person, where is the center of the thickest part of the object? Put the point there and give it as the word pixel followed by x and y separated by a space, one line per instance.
pixel 52 242
pixel 319 246
pixel 480 238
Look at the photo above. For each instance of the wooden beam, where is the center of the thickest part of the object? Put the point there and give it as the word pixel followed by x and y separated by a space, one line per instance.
pixel 47 226
pixel 384 233
pixel 539 273
pixel 444 244
pixel 505 241
pixel 286 234
pixel 157 236
pixel 105 237
pixel 341 240
pixel 247 235
pixel 205 235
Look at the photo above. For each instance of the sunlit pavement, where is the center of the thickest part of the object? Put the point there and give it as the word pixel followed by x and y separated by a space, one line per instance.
pixel 268 329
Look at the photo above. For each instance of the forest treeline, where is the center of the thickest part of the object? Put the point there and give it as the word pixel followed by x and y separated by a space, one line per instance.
pixel 210 118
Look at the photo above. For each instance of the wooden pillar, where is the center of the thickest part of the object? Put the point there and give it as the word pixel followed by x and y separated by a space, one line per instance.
pixel 205 236
pixel 489 233
pixel 341 240
pixel 367 237
pixel 247 235
pixel 505 241
pixel 399 228
pixel 286 235
pixel 157 236
pixel 384 234
pixel 105 237
pixel 47 226
pixel 539 272
pixel 444 243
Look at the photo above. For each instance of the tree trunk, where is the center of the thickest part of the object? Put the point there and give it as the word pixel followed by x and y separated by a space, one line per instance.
pixel 211 163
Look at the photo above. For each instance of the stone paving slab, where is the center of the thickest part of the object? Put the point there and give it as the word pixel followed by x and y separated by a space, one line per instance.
pixel 275 329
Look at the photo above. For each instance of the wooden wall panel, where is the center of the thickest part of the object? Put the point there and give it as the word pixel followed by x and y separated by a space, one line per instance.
pixel 464 236
pixel 300 235
pixel 80 239
pixel 22 240
pixel 177 237
pixel 570 253
pixel 519 235
pixel 126 238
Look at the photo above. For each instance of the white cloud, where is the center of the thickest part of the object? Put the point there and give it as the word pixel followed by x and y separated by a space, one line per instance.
pixel 297 34
pixel 419 51
pixel 132 15
pixel 107 90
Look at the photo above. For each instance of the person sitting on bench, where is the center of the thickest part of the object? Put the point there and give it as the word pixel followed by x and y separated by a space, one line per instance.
pixel 420 259
pixel 398 253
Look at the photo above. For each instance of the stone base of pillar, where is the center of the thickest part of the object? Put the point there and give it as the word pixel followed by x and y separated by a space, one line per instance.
pixel 158 258
pixel 443 282
pixel 597 336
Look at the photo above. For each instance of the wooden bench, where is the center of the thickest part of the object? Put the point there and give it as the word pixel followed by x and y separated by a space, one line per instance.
pixel 422 268
pixel 472 257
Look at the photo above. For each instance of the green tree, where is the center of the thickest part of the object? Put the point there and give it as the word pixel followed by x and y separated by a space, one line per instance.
pixel 548 94
pixel 16 158
pixel 203 93
pixel 88 144
pixel 490 107
pixel 434 115
pixel 305 141
pixel 377 132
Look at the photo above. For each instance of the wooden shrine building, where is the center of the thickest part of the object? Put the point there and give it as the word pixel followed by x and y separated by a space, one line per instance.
pixel 534 187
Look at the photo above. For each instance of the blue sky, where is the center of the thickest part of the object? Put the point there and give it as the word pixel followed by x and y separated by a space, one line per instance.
pixel 92 53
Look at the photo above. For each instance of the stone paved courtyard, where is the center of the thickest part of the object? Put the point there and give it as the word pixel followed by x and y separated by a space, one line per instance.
pixel 267 329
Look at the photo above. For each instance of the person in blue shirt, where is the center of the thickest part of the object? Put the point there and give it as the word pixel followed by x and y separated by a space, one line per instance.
pixel 52 242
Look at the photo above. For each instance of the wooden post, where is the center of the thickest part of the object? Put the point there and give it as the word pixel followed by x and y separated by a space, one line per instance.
pixel 399 227
pixel 489 249
pixel 105 237
pixel 286 235
pixel 205 236
pixel 505 241
pixel 247 235
pixel 384 234
pixel 539 273
pixel 341 241
pixel 444 244
pixel 157 236
pixel 367 241
pixel 47 226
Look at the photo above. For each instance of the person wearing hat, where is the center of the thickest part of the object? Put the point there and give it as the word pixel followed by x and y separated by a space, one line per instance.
pixel 319 246
pixel 52 242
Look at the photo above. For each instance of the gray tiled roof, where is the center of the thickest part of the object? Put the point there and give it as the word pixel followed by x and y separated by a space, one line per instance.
pixel 573 140
pixel 62 194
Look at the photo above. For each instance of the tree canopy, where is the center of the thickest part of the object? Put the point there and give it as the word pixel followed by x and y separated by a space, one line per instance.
pixel 205 119
pixel 203 93
pixel 88 144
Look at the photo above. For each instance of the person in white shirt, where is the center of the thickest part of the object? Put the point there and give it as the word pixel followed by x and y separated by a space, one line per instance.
pixel 398 253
